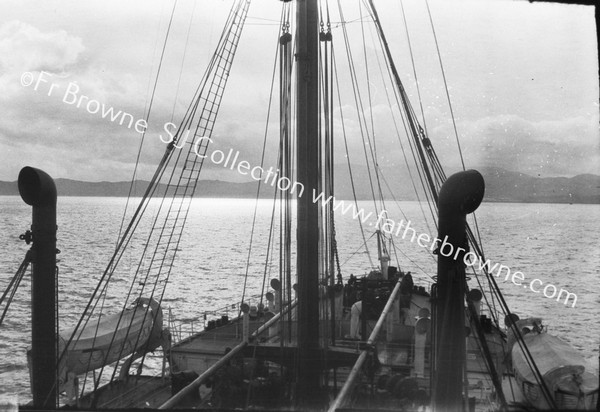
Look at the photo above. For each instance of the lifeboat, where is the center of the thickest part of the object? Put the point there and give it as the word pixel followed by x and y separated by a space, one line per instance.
pixel 110 338
pixel 562 368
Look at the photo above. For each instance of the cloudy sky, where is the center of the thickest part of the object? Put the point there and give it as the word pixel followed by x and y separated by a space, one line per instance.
pixel 522 78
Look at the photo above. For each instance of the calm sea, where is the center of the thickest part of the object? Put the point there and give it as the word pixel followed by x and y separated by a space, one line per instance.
pixel 557 244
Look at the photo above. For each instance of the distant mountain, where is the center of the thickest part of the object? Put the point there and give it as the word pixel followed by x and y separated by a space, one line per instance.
pixel 205 188
pixel 501 186
pixel 505 186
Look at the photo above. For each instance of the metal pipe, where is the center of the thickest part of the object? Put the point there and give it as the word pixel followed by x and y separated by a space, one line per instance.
pixel 460 194
pixel 229 355
pixel 341 398
pixel 38 190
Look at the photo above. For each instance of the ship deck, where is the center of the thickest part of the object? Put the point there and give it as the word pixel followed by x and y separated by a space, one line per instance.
pixel 205 348
pixel 135 392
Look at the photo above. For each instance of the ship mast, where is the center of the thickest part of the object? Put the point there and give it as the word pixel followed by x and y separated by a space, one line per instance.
pixel 307 146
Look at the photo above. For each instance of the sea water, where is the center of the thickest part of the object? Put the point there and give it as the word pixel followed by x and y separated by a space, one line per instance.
pixel 555 243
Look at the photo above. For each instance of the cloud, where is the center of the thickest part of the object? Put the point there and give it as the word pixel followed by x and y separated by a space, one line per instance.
pixel 540 148
pixel 24 47
pixel 47 123
pixel 555 147
pixel 113 58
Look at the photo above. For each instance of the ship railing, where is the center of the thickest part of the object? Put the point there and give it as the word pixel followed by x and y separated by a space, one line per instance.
pixel 186 328
pixel 345 392
pixel 183 329
pixel 190 388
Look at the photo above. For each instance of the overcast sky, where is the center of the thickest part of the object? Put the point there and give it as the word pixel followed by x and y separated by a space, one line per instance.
pixel 523 80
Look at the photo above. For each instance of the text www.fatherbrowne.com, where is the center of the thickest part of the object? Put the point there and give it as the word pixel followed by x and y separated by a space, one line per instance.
pixel 72 96
pixel 470 259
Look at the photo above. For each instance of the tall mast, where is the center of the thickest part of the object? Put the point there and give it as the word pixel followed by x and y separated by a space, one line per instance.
pixel 307 145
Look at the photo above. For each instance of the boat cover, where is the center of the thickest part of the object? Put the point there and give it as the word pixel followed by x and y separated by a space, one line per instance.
pixel 551 354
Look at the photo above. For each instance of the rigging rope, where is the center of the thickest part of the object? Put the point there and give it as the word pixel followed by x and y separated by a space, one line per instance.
pixel 415 128
pixel 166 238
pixel 409 120
pixel 147 118
pixel 362 231
pixel 372 139
pixel 412 59
pixel 360 107
pixel 397 133
pixel 285 161
pixel 262 161
pixel 445 84
pixel 519 337
pixel 435 180
pixel 14 284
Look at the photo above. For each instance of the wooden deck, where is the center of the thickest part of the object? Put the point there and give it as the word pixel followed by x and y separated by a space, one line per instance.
pixel 197 353
pixel 133 393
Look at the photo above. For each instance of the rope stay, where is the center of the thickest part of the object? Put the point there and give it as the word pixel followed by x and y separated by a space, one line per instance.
pixel 284 24
pixel 175 181
pixel 147 110
pixel 428 162
pixel 285 162
pixel 366 123
pixel 416 130
pixel 362 122
pixel 331 274
pixel 13 285
pixel 347 152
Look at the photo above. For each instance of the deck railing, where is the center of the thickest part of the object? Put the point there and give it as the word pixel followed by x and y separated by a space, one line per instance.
pixel 183 329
